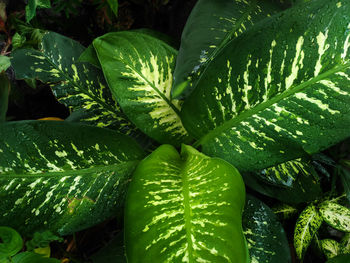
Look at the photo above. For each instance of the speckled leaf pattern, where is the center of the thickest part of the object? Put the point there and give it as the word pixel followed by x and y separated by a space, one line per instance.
pixel 62 176
pixel 284 211
pixel 336 215
pixel 210 26
pixel 330 247
pixel 345 244
pixel 138 69
pixel 78 85
pixel 267 241
pixel 306 227
pixel 174 214
pixel 286 173
pixel 277 92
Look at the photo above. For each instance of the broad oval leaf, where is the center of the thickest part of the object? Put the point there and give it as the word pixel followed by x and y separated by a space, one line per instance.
pixel 330 247
pixel 185 208
pixel 267 241
pixel 62 176
pixel 277 92
pixel 306 227
pixel 209 27
pixel 138 69
pixel 340 259
pixel 77 85
pixel 337 216
pixel 11 242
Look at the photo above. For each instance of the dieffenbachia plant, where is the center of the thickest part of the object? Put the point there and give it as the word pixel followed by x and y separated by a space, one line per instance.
pixel 256 88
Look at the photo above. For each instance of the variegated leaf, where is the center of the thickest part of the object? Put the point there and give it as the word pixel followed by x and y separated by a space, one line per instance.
pixel 284 211
pixel 330 247
pixel 267 241
pixel 345 244
pixel 185 208
pixel 62 176
pixel 78 85
pixel 307 225
pixel 211 25
pixel 279 91
pixel 138 69
pixel 285 174
pixel 336 215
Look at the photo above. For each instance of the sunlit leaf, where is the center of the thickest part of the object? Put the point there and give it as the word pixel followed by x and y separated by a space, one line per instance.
pixel 336 215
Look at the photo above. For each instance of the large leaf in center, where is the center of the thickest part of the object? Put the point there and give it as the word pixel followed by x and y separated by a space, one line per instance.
pixel 62 176
pixel 279 91
pixel 138 69
pixel 185 208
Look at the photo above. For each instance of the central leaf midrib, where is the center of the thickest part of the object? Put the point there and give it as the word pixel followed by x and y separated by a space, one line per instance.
pixel 264 105
pixel 187 212
pixel 77 172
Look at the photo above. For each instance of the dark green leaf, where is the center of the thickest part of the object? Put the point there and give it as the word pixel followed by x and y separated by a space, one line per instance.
pixel 266 238
pixel 113 4
pixel 277 92
pixel 4 95
pixel 344 174
pixel 306 227
pixel 175 214
pixel 29 257
pixel 10 243
pixel 138 69
pixel 33 5
pixel 345 244
pixel 340 259
pixel 42 240
pixel 208 29
pixel 89 55
pixel 62 176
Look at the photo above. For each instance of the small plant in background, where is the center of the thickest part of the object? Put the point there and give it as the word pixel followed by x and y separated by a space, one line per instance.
pixel 170 139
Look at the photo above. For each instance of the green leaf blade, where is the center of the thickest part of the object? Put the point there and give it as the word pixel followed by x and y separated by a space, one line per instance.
pixel 210 26
pixel 307 225
pixel 258 105
pixel 62 176
pixel 11 242
pixel 330 247
pixel 336 215
pixel 183 216
pixel 138 69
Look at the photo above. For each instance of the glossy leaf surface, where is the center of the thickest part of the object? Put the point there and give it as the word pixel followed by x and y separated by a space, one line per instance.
pixel 267 241
pixel 210 26
pixel 336 215
pixel 78 85
pixel 62 176
pixel 11 243
pixel 277 92
pixel 306 227
pixel 138 69
pixel 174 214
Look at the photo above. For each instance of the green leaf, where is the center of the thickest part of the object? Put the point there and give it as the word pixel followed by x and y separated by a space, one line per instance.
pixel 42 240
pixel 330 248
pixel 284 211
pixel 5 63
pixel 113 4
pixel 337 216
pixel 10 243
pixel 4 95
pixel 211 25
pixel 285 174
pixel 345 179
pixel 340 259
pixel 78 85
pixel 89 55
pixel 306 227
pixel 185 207
pixel 33 5
pixel 279 91
pixel 267 241
pixel 18 41
pixel 29 257
pixel 62 176
pixel 345 244
pixel 138 69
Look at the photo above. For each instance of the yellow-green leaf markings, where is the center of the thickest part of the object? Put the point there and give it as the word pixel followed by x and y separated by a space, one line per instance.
pixel 62 176
pixel 138 69
pixel 279 91
pixel 175 214
pixel 78 85
pixel 330 247
pixel 267 241
pixel 306 227
pixel 208 29
pixel 336 215
pixel 345 244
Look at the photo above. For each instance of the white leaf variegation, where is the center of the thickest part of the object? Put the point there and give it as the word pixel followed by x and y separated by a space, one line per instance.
pixel 336 215
pixel 138 69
